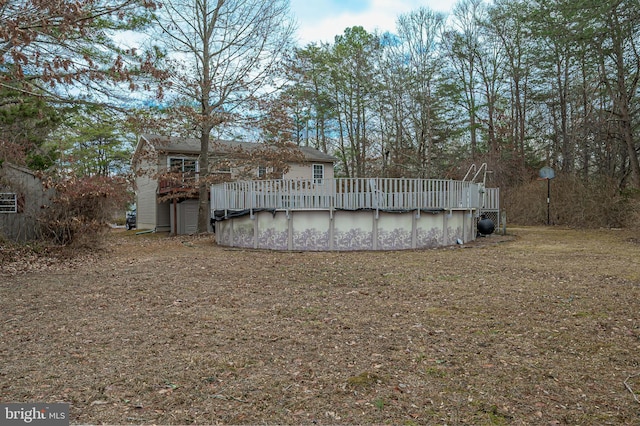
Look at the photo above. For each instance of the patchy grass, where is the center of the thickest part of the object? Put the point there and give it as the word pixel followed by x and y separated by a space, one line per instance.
pixel 364 380
pixel 539 327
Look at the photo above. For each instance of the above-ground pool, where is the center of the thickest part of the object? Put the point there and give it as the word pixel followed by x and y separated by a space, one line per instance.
pixel 348 214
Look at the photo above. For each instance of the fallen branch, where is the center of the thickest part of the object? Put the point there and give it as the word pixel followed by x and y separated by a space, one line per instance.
pixel 628 386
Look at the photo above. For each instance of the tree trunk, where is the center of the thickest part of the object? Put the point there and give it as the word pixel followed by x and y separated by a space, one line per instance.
pixel 203 185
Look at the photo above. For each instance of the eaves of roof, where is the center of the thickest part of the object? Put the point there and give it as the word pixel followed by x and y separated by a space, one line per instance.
pixel 192 146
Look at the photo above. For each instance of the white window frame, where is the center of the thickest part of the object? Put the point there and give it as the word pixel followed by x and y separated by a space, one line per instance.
pixel 182 158
pixel 262 171
pixel 319 177
pixel 8 202
pixel 196 172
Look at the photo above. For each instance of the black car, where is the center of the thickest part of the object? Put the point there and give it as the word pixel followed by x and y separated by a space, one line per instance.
pixel 130 223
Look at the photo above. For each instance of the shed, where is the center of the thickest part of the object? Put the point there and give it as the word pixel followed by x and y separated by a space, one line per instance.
pixel 22 197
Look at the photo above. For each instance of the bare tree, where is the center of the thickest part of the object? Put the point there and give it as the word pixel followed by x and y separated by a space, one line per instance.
pixel 420 32
pixel 462 47
pixel 618 48
pixel 226 55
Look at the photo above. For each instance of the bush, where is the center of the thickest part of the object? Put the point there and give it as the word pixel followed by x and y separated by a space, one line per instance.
pixel 80 211
pixel 574 202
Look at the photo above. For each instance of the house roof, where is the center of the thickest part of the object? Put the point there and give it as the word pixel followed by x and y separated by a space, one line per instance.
pixel 18 168
pixel 192 146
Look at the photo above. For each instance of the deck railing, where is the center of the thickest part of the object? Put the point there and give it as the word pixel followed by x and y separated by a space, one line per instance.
pixel 491 199
pixel 351 194
pixel 177 182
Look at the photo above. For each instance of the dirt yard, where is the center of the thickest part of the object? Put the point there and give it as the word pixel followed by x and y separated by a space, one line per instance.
pixel 541 326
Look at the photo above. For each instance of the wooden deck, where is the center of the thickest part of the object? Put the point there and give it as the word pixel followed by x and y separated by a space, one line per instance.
pixel 354 194
pixel 183 187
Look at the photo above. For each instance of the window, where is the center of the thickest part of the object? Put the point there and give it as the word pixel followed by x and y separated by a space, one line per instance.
pixel 318 172
pixel 187 166
pixel 8 203
pixel 262 172
pixel 184 165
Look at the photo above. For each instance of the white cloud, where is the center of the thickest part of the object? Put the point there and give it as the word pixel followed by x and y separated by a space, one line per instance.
pixel 380 15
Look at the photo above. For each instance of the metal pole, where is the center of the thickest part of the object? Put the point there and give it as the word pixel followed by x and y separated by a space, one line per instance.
pixel 548 201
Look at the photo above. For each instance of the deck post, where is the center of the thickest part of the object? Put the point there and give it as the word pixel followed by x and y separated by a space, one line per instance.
pixel 445 222
pixel 472 224
pixel 414 229
pixel 289 231
pixel 374 230
pixel 255 231
pixel 175 217
pixel 332 224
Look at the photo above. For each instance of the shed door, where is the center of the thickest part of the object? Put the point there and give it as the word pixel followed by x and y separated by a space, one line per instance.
pixel 188 217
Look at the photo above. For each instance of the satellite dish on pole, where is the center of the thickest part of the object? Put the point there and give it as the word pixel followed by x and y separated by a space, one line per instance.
pixel 547 173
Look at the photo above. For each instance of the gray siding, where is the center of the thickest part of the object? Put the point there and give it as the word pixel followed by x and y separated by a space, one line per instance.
pixel 305 171
pixel 146 203
pixel 32 196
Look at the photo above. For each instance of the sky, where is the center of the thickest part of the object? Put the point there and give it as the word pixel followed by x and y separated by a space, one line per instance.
pixel 321 20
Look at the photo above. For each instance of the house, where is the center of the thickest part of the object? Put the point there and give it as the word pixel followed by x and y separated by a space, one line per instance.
pixel 167 167
pixel 22 197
